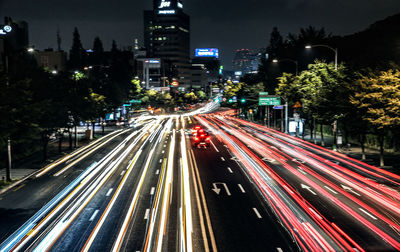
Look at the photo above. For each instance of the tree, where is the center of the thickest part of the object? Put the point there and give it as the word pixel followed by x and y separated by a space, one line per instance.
pixel 267 71
pixel 77 55
pixel 322 90
pixel 201 95
pixel 275 43
pixel 379 97
pixel 98 52
pixel 190 97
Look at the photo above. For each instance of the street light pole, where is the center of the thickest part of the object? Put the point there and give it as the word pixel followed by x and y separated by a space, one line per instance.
pixel 286 103
pixel 335 50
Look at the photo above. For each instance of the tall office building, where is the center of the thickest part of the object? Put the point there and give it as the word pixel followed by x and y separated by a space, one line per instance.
pixel 167 36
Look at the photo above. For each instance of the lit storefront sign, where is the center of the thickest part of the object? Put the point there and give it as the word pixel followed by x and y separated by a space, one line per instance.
pixel 207 52
pixel 167 12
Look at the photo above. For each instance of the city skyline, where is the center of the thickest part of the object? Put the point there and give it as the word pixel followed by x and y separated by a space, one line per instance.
pixel 214 24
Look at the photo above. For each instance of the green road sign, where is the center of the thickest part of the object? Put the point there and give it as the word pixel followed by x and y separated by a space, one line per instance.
pixel 269 101
pixel 262 94
pixel 135 101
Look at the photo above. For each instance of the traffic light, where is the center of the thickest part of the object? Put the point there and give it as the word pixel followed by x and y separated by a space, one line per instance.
pixel 243 100
pixel 230 101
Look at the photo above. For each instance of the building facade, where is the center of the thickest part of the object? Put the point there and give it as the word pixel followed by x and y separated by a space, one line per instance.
pixel 53 61
pixel 167 36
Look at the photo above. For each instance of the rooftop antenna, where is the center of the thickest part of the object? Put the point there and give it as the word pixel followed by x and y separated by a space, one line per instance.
pixel 58 39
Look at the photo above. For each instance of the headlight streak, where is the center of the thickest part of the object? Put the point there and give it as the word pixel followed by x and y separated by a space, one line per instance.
pixel 148 243
pixel 33 226
pixel 186 207
pixel 83 200
pixel 152 219
pixel 287 211
pixel 84 156
pixel 83 180
pixel 73 154
pixel 13 239
pixel 122 232
pixel 166 195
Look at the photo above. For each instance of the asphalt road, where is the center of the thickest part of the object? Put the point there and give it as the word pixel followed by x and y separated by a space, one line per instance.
pixel 255 189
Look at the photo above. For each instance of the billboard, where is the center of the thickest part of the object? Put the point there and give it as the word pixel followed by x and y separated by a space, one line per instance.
pixel 207 52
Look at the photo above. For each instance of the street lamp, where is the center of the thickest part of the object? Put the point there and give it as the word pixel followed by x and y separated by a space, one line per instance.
pixel 335 50
pixel 31 50
pixel 286 103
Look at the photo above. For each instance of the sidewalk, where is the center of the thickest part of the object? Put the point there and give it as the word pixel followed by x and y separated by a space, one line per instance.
pixel 392 160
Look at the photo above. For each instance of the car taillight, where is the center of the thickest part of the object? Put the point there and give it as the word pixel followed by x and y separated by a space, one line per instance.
pixel 196 139
pixel 208 139
pixel 202 135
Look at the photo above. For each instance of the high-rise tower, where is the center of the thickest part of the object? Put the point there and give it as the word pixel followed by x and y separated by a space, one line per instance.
pixel 167 36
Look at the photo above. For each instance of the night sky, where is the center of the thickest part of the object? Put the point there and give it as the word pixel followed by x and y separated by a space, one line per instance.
pixel 225 24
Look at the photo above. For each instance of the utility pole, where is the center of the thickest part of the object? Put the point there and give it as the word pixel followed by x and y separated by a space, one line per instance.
pixel 286 117
pixel 8 170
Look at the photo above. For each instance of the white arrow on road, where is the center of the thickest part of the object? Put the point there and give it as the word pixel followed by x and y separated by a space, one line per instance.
pixel 308 188
pixel 217 190
pixel 347 188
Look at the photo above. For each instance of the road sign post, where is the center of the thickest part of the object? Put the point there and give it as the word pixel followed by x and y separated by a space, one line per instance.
pixel 269 101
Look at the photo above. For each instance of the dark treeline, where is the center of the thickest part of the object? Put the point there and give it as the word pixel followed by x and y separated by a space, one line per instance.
pixel 360 99
pixel 36 104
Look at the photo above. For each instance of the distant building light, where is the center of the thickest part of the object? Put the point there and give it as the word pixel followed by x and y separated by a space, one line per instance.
pixel 180 5
pixel 164 4
pixel 31 50
pixel 7 28
pixel 238 73
pixel 166 12
pixel 89 50
pixel 54 72
pixel 207 52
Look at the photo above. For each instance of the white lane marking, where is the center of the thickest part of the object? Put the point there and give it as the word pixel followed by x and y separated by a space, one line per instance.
pixel 241 188
pixel 123 172
pixel 348 188
pixel 217 190
pixel 152 190
pixel 160 160
pixel 308 188
pixel 279 249
pixel 214 146
pixel 330 189
pixel 370 215
pixel 257 213
pixel 157 172
pixel 94 215
pixel 109 192
pixel 147 213
pixel 230 170
pixel 222 158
